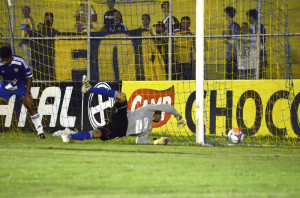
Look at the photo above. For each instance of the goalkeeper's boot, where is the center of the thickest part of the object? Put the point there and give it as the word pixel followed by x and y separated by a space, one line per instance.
pixel 85 85
pixel 67 131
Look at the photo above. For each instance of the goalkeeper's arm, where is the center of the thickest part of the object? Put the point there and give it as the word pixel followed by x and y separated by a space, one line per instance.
pixel 181 122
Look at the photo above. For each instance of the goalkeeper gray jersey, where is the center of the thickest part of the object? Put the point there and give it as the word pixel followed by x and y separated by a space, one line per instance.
pixel 140 120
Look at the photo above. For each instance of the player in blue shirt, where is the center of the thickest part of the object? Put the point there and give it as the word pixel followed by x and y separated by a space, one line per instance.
pixel 17 80
pixel 123 123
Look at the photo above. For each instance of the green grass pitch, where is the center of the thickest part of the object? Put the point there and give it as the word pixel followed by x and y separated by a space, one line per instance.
pixel 30 167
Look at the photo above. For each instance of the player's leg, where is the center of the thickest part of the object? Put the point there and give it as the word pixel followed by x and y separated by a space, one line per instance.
pixel 34 115
pixel 115 128
pixel 86 87
pixel 86 135
pixel 262 65
pixel 228 69
pixel 68 136
pixel 234 68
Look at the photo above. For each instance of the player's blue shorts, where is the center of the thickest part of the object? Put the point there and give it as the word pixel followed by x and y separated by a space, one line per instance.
pixel 6 94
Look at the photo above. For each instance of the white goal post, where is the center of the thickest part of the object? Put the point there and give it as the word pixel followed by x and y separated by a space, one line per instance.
pixel 200 72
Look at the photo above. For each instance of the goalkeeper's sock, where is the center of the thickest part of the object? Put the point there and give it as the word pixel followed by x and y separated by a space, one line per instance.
pixel 37 121
pixel 104 92
pixel 83 135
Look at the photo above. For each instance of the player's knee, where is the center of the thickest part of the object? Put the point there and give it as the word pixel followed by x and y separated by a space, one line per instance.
pixel 97 133
pixel 27 103
pixel 121 97
pixel 29 106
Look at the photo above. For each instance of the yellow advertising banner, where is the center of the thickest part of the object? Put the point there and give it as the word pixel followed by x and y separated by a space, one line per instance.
pixel 257 107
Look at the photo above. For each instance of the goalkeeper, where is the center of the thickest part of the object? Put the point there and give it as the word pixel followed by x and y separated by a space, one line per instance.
pixel 123 123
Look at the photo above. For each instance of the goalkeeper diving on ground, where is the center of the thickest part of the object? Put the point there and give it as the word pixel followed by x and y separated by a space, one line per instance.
pixel 123 123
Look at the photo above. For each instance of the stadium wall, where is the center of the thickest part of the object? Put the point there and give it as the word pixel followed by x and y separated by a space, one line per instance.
pixel 252 109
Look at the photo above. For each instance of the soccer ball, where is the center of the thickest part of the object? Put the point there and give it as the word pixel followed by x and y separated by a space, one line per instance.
pixel 235 135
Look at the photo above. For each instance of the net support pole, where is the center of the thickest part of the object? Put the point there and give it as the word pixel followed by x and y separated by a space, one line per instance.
pixel 88 70
pixel 170 41
pixel 200 72
pixel 11 3
pixel 89 41
pixel 258 31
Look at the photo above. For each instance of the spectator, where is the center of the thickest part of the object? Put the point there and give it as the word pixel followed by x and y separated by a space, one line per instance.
pixel 246 54
pixel 146 24
pixel 161 43
pixel 252 17
pixel 48 23
pixel 109 16
pixel 82 15
pixel 183 52
pixel 118 26
pixel 174 21
pixel 79 28
pixel 40 27
pixel 232 29
pixel 44 50
pixel 2 42
pixel 27 25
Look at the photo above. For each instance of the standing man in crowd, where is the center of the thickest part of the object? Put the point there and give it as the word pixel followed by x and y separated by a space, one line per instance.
pixel 166 21
pixel 146 25
pixel 253 17
pixel 109 16
pixel 231 57
pixel 161 43
pixel 82 15
pixel 118 26
pixel 17 80
pixel 246 53
pixel 27 25
pixel 123 123
pixel 183 52
pixel 48 24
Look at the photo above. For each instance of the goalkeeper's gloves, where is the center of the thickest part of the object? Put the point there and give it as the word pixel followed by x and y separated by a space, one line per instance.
pixel 85 85
pixel 181 122
pixel 161 141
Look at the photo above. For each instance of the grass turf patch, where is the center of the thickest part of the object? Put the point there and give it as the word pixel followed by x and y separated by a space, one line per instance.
pixel 49 168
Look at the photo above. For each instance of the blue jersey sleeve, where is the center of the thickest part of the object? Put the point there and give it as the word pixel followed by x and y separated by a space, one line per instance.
pixel 27 70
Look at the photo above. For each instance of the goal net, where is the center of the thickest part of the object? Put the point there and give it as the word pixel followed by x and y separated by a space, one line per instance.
pixel 141 49
pixel 248 81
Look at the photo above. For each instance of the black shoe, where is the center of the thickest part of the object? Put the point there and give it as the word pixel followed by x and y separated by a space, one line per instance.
pixel 42 136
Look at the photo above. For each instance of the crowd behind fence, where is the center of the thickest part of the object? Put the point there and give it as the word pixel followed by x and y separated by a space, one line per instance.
pixel 148 51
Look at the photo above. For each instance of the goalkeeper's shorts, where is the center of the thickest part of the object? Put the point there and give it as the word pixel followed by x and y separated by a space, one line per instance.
pixel 117 124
